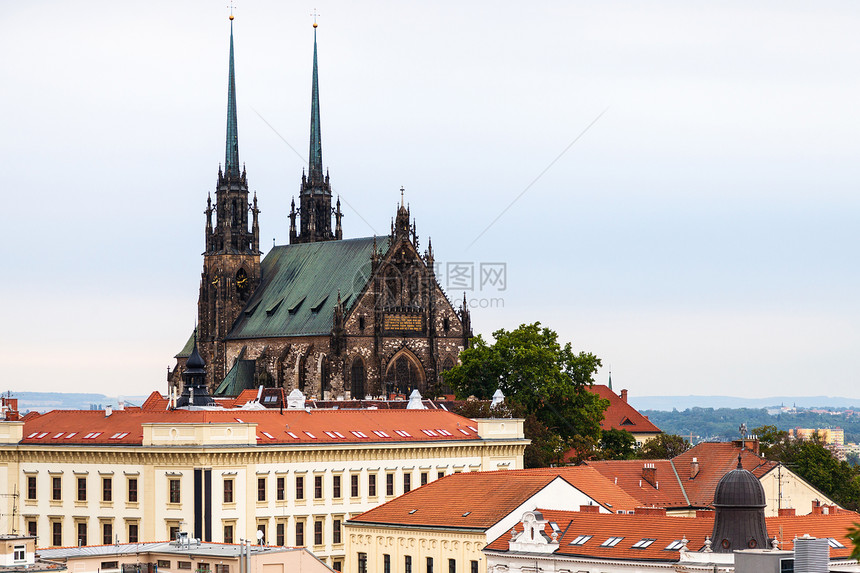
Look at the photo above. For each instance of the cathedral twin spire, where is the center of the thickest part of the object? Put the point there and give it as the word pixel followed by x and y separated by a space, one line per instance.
pixel 231 160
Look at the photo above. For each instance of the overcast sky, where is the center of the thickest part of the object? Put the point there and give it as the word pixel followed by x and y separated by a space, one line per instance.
pixel 700 237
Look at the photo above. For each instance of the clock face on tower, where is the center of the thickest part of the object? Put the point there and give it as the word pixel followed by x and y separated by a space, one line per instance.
pixel 242 282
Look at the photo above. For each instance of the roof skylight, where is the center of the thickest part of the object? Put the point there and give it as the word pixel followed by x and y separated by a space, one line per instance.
pixel 834 543
pixel 381 434
pixel 268 435
pixel 292 435
pixel 57 435
pixel 675 545
pixel 403 433
pixel 358 434
pixel 70 434
pixel 310 435
pixel 611 542
pixel 581 539
pixel 643 543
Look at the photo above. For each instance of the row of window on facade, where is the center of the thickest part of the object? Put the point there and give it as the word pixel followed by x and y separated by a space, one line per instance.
pixel 429 564
pixel 82 532
pixel 200 567
pixel 81 487
pixel 175 487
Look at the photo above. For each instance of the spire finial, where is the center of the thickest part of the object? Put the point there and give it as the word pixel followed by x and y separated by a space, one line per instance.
pixel 231 162
pixel 315 170
pixel 402 191
pixel 315 14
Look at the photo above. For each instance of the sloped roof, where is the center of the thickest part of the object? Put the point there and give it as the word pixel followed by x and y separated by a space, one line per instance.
pixel 239 378
pixel 665 530
pixel 620 415
pixel 676 487
pixel 124 427
pixel 299 287
pixel 478 500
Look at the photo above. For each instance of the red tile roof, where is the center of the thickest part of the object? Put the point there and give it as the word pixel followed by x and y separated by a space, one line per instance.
pixel 676 487
pixel 666 530
pixel 622 416
pixel 92 427
pixel 479 500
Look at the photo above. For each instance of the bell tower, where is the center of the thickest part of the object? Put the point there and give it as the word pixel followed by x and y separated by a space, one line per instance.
pixel 231 261
pixel 315 209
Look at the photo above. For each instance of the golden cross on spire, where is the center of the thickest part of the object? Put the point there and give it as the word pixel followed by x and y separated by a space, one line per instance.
pixel 231 6
pixel 315 14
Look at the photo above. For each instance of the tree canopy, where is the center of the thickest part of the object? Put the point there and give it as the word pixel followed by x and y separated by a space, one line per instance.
pixel 663 447
pixel 546 379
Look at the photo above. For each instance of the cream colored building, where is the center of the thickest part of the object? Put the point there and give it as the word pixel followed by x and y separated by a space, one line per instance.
pixel 93 477
pixel 444 526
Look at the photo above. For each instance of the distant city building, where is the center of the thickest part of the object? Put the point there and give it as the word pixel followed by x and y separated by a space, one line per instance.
pixel 832 438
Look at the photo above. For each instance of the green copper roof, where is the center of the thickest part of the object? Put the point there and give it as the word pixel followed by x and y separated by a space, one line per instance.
pixel 299 287
pixel 315 168
pixel 189 346
pixel 231 161
pixel 240 377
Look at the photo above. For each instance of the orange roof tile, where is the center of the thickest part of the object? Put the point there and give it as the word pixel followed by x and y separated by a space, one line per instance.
pixel 620 415
pixel 92 427
pixel 676 486
pixel 478 500
pixel 666 530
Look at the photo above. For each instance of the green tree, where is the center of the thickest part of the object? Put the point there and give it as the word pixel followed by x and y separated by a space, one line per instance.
pixel 769 436
pixel 617 445
pixel 547 379
pixel 663 447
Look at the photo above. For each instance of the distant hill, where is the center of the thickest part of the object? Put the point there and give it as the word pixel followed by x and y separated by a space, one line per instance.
pixel 43 401
pixel 668 403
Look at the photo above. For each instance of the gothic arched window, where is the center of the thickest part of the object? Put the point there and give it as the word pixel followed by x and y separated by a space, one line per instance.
pixel 325 377
pixel 357 379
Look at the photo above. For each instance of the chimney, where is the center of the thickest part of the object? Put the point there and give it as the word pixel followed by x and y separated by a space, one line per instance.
pixel 649 474
pixel 816 507
pixel 650 511
pixel 787 512
pixel 624 394
pixel 589 509
pixel 108 411
pixel 694 468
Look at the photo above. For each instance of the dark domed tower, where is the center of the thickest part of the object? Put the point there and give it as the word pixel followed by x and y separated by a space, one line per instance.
pixel 739 522
pixel 195 391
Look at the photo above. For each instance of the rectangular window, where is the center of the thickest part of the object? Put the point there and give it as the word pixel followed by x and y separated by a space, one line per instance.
pixel 386 563
pixel 318 532
pixel 201 567
pixel 173 532
pixel 279 534
pixel 132 490
pixel 353 485
pixel 474 566
pixel 452 566
pixel 337 565
pixel 174 491
pixel 261 527
pixel 335 486
pixel 222 568
pixel 280 493
pixel 362 563
pixel 56 534
pixel 19 553
pixel 440 474
pixel 183 564
pixel 429 565
pixel 107 489
pixel 107 533
pixel 424 478
pixel 335 532
pixel 82 489
pixel 109 565
pixel 407 564
pixel 82 534
pixel 56 488
pixel 162 563
pixel 228 491
pixel 300 534
pixel 261 489
pixel 228 533
pixel 318 487
pixel 407 483
pixel 132 533
pixel 32 528
pixel 786 566
pixel 371 485
pixel 31 487
pixel 389 484
pixel 300 487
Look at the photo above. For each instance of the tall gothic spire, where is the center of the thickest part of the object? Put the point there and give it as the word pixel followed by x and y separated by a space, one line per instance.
pixel 231 161
pixel 315 156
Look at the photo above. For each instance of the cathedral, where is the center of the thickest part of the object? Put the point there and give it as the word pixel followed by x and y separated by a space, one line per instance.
pixel 335 318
